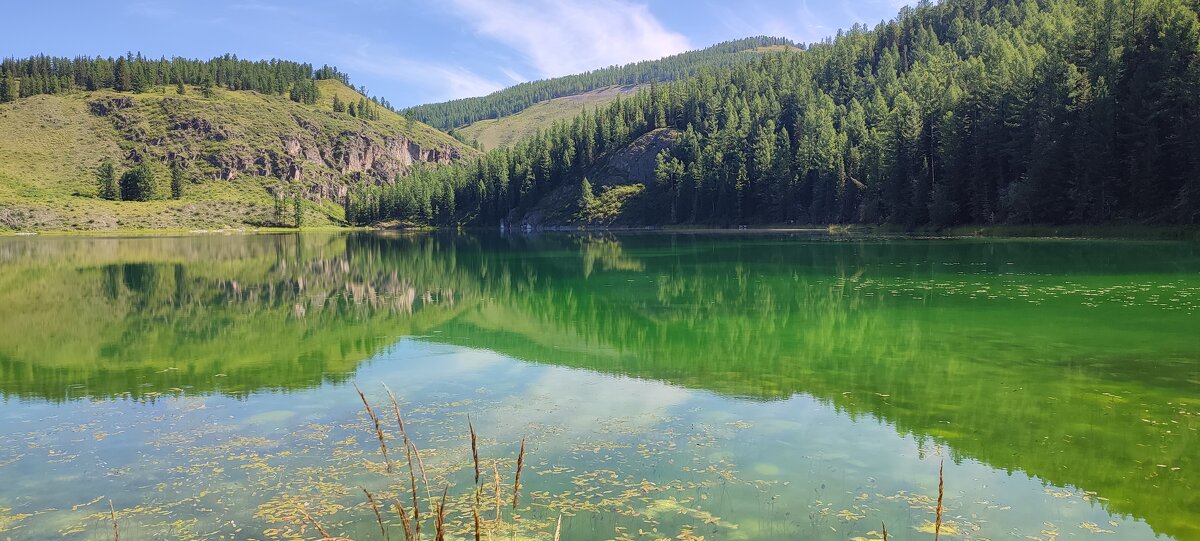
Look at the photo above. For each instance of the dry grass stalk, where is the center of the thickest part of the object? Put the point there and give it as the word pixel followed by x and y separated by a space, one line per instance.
pixel 378 517
pixel 399 418
pixel 520 465
pixel 404 521
pixel 421 467
pixel 496 473
pixel 440 523
pixel 885 534
pixel 937 526
pixel 412 477
pixel 409 535
pixel 478 529
pixel 558 528
pixel 378 428
pixel 324 534
pixel 474 448
pixel 113 512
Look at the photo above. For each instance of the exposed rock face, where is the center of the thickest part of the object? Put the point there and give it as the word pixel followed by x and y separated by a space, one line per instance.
pixel 200 126
pixel 104 106
pixel 227 165
pixel 620 181
pixel 306 154
pixel 635 163
pixel 356 152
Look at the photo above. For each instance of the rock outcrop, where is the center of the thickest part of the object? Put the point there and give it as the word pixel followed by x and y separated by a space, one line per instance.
pixel 306 151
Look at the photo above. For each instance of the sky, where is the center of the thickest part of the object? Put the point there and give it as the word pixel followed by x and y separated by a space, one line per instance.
pixel 422 51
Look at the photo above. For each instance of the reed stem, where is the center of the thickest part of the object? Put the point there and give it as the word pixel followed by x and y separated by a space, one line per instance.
pixel 937 526
pixel 378 429
pixel 517 482
pixel 378 517
pixel 116 530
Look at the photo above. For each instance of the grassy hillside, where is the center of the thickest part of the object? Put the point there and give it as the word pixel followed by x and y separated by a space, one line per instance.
pixel 504 131
pixel 237 149
pixel 512 100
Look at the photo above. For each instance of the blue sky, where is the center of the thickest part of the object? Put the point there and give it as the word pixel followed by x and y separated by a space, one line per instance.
pixel 419 51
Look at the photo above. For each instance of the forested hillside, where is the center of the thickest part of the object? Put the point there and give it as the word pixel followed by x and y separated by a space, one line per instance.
pixel 458 113
pixel 967 111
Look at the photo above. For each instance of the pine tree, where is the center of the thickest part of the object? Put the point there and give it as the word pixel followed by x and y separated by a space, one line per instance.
pixel 298 210
pixel 176 180
pixel 106 181
pixel 587 199
pixel 137 184
pixel 8 88
pixel 278 197
pixel 124 80
pixel 339 106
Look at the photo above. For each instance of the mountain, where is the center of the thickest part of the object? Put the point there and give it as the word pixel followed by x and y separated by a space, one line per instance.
pixel 960 112
pixel 510 101
pixel 244 137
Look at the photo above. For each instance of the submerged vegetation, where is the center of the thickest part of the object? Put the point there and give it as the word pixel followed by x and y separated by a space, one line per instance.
pixel 943 346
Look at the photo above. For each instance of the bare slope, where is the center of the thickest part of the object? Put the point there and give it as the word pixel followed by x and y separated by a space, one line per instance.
pixel 237 150
pixel 504 131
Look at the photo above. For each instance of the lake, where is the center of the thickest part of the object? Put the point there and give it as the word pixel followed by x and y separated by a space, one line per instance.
pixel 723 386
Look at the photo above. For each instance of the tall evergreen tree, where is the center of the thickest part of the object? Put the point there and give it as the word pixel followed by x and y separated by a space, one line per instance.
pixel 298 210
pixel 106 181
pixel 137 184
pixel 176 180
pixel 8 88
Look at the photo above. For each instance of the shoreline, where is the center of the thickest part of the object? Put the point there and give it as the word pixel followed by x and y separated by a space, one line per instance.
pixel 1047 232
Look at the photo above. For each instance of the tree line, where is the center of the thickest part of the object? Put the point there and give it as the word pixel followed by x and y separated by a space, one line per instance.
pixel 43 74
pixel 965 111
pixel 459 113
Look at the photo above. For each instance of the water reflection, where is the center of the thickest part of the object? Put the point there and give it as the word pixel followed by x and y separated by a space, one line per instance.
pixel 1074 362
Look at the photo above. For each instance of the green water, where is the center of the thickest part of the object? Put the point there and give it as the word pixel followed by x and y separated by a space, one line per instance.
pixel 671 386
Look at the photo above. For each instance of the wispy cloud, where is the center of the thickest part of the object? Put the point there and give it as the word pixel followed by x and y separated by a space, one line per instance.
pixel 438 80
pixel 561 37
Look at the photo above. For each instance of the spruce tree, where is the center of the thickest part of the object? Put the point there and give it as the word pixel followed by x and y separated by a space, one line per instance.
pixel 137 184
pixel 298 210
pixel 8 88
pixel 176 180
pixel 124 80
pixel 106 181
pixel 587 199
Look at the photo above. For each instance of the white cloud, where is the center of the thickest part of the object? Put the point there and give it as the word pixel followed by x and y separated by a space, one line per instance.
pixel 443 81
pixel 513 75
pixel 563 37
